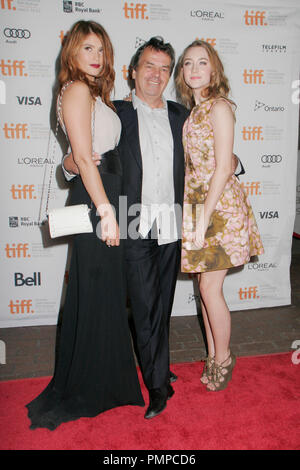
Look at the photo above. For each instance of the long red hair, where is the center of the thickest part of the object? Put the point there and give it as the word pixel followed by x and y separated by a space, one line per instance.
pixel 104 84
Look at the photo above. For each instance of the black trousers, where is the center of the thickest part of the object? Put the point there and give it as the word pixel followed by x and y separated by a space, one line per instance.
pixel 151 278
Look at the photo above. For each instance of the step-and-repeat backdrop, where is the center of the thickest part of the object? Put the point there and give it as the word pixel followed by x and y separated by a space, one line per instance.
pixel 259 45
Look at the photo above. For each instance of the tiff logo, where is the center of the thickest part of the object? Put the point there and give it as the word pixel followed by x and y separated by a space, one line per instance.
pixel 135 11
pixel 253 77
pixel 252 133
pixel 7 4
pixel 211 41
pixel 255 18
pixel 25 191
pixel 248 293
pixel 124 72
pixel 16 131
pixel 251 189
pixel 19 251
pixel 20 306
pixel 15 69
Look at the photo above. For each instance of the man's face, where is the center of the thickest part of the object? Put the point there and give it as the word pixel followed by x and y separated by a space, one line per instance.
pixel 152 74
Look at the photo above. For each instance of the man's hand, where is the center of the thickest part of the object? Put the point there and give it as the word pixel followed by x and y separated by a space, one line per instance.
pixel 128 97
pixel 234 163
pixel 71 166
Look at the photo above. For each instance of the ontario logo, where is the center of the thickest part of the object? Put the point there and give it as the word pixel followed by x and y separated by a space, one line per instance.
pixel 263 106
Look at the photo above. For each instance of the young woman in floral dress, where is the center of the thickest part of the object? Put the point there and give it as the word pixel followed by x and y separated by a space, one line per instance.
pixel 219 228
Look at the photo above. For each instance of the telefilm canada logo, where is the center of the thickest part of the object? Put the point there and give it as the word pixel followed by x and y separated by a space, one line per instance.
pixel 274 48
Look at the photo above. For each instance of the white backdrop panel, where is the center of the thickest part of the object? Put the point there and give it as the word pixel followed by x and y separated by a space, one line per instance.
pixel 259 46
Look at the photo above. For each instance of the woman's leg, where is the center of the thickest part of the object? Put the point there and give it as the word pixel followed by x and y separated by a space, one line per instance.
pixel 210 344
pixel 217 319
pixel 209 336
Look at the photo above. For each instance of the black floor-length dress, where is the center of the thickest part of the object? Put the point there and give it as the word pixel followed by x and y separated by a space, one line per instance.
pixel 95 368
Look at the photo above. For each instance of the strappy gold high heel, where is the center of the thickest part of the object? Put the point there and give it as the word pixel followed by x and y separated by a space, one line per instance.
pixel 221 374
pixel 207 369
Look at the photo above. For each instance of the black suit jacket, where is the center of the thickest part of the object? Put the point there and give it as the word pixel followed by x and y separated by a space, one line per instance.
pixel 130 152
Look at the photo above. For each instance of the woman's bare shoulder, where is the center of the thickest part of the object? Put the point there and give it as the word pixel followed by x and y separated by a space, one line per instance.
pixel 76 90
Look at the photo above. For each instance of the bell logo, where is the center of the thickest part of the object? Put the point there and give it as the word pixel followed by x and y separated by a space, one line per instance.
pixel 252 133
pixel 251 188
pixel 7 5
pixel 248 293
pixel 17 251
pixel 20 280
pixel 255 18
pixel 253 77
pixel 12 69
pixel 135 11
pixel 15 131
pixel 25 191
pixel 20 306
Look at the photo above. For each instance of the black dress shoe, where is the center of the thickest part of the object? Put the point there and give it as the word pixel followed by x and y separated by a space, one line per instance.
pixel 158 402
pixel 173 377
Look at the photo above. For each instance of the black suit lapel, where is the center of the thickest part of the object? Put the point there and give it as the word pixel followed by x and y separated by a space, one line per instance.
pixel 129 120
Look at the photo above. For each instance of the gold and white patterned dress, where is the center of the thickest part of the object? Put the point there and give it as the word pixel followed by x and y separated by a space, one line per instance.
pixel 232 236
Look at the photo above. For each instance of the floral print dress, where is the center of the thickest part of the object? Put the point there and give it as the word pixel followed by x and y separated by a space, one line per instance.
pixel 232 236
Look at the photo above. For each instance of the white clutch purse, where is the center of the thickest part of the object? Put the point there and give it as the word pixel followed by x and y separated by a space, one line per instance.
pixel 69 220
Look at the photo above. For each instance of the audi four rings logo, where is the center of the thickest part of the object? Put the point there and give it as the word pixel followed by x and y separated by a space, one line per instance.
pixel 17 33
pixel 271 158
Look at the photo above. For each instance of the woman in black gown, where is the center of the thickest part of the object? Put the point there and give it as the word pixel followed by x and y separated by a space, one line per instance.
pixel 95 368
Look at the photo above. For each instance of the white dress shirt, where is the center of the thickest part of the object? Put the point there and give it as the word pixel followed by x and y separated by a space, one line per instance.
pixel 156 142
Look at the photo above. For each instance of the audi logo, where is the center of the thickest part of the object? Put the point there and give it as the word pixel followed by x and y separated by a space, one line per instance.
pixel 271 158
pixel 16 33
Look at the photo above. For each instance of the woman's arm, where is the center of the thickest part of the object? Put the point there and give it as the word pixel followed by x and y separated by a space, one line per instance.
pixel 76 110
pixel 222 121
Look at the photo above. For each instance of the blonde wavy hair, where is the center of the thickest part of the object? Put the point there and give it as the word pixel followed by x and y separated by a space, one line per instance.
pixel 218 87
pixel 104 84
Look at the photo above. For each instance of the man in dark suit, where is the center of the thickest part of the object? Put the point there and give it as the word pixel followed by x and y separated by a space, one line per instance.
pixel 153 178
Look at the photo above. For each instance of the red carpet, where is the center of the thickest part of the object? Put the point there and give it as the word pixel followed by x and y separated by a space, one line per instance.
pixel 259 410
